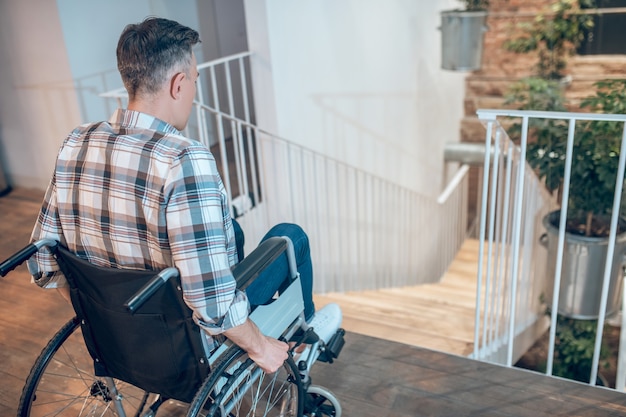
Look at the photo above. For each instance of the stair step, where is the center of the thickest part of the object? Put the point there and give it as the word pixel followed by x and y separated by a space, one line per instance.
pixel 437 316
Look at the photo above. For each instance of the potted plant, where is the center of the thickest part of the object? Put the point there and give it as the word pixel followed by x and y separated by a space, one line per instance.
pixel 591 193
pixel 462 33
pixel 553 37
pixel 591 190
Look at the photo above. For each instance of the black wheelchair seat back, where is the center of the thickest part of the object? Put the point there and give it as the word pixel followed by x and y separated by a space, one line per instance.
pixel 158 348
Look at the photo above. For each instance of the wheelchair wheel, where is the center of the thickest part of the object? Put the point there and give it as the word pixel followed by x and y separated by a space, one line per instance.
pixel 238 387
pixel 320 402
pixel 62 382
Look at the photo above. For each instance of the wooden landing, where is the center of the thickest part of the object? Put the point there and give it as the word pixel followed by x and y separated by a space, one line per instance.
pixel 372 377
pixel 435 316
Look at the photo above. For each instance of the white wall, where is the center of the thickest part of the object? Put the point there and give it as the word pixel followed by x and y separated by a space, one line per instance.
pixel 359 80
pixel 37 100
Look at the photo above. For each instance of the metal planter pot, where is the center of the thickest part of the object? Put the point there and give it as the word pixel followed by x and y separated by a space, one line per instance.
pixel 462 35
pixel 584 260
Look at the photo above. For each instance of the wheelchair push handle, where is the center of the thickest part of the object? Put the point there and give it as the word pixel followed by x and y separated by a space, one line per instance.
pixel 23 255
pixel 148 290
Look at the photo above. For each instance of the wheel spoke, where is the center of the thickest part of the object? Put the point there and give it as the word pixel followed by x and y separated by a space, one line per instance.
pixel 62 382
pixel 248 391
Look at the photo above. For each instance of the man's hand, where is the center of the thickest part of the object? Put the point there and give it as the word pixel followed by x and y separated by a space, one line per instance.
pixel 268 353
pixel 272 356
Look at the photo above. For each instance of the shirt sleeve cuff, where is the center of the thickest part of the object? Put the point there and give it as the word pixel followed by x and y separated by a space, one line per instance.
pixel 236 316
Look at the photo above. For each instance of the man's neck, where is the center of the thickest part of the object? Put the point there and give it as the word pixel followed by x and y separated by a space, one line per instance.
pixel 145 107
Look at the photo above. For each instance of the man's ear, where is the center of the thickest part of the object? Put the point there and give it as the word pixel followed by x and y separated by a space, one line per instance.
pixel 175 86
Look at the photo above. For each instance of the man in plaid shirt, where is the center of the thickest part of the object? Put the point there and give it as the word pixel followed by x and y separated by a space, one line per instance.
pixel 135 193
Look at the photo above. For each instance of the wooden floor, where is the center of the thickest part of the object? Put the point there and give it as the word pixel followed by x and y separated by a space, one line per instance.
pixel 372 377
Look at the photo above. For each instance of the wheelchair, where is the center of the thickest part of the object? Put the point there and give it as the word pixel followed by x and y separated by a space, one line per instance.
pixel 133 348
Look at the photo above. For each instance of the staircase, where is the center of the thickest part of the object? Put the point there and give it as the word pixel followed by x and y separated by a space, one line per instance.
pixel 438 316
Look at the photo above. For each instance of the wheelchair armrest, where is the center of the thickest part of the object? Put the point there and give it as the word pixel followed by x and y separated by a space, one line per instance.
pixel 260 258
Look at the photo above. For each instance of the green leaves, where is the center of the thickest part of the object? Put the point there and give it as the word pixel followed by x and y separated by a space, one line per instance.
pixel 474 5
pixel 596 145
pixel 554 35
pixel 575 344
pixel 536 93
pixel 610 98
pixel 597 150
pixel 546 146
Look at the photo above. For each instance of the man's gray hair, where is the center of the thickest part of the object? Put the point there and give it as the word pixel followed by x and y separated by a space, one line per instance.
pixel 150 52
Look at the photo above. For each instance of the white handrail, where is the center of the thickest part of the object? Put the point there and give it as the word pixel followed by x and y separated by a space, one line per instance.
pixel 224 60
pixel 453 184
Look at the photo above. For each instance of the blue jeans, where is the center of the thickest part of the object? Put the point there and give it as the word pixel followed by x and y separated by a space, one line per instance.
pixel 267 283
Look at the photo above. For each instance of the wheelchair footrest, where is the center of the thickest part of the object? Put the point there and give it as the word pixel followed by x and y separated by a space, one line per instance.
pixel 333 347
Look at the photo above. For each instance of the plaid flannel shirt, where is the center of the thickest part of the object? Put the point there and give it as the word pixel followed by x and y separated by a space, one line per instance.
pixel 135 193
